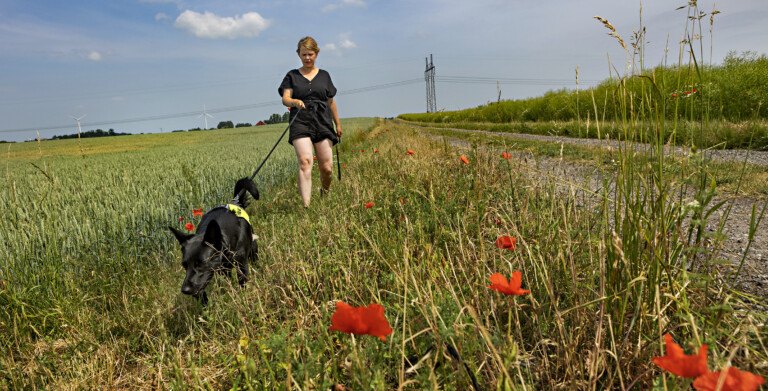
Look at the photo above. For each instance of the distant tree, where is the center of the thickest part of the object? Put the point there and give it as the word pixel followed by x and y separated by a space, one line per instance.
pixel 243 125
pixel 90 133
pixel 273 119
pixel 286 116
pixel 225 125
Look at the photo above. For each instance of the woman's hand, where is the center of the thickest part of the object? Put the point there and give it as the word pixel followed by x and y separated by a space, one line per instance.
pixel 338 130
pixel 299 103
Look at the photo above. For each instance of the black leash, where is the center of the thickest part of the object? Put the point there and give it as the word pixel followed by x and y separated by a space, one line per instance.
pixel 277 143
pixel 237 197
pixel 242 192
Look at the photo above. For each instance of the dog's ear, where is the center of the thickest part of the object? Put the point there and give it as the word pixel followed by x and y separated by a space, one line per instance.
pixel 246 184
pixel 180 236
pixel 213 235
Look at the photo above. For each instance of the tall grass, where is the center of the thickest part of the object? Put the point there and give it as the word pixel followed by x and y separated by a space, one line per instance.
pixel 611 268
pixel 729 96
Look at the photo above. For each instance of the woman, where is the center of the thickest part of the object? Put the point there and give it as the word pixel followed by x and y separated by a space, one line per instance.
pixel 308 92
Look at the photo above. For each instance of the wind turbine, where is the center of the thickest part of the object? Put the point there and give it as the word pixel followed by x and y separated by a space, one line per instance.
pixel 205 115
pixel 79 130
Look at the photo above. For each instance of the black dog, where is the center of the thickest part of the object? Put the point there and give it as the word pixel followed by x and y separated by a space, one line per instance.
pixel 224 239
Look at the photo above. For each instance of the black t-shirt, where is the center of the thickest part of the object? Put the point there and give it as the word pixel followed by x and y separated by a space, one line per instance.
pixel 315 94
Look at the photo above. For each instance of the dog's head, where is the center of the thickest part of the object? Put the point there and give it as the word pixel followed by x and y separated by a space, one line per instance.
pixel 201 256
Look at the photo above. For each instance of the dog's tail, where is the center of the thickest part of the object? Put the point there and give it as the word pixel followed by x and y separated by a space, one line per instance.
pixel 243 186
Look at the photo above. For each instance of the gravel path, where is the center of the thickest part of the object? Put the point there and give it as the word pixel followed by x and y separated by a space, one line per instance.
pixel 759 158
pixel 754 276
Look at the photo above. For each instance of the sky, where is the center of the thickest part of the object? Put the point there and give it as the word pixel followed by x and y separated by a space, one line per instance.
pixel 148 66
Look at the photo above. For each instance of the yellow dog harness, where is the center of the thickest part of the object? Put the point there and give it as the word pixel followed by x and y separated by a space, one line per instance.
pixel 238 211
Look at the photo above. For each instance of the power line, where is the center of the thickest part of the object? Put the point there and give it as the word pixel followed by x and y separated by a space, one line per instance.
pixel 218 110
pixel 441 79
pixel 519 81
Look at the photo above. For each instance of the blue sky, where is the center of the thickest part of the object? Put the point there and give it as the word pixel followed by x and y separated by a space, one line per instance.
pixel 150 65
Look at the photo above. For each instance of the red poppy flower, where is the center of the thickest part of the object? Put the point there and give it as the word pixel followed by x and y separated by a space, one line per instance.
pixel 695 90
pixel 499 283
pixel 362 150
pixel 343 165
pixel 506 242
pixel 498 222
pixel 410 152
pixel 189 226
pixel 387 129
pixel 679 363
pixel 687 92
pixel 314 157
pixel 464 159
pixel 197 212
pixel 402 201
pixel 360 320
pixel 674 95
pixel 181 218
pixel 375 151
pixel 734 380
pixel 369 205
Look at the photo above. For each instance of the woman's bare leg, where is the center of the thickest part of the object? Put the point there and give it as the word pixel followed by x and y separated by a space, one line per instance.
pixel 324 153
pixel 303 147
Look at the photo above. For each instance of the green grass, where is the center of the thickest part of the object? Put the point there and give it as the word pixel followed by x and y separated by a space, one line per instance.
pixel 732 177
pixel 90 276
pixel 716 134
pixel 726 110
pixel 92 299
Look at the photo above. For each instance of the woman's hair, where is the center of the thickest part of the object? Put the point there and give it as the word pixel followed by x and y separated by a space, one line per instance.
pixel 308 43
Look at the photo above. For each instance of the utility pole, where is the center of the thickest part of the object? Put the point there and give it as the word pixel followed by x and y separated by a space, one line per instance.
pixel 429 77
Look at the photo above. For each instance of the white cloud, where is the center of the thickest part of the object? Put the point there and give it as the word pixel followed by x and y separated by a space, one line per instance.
pixel 94 56
pixel 347 44
pixel 160 16
pixel 343 44
pixel 212 26
pixel 343 3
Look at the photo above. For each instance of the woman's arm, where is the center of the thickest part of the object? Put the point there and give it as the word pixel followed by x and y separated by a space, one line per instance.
pixel 289 101
pixel 332 103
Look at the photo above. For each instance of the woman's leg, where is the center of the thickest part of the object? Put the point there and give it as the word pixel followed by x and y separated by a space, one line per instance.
pixel 303 147
pixel 324 153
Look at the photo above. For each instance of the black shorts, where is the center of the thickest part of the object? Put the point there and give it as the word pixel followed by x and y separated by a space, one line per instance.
pixel 314 122
pixel 316 135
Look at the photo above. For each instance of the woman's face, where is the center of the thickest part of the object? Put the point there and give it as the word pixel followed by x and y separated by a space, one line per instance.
pixel 307 57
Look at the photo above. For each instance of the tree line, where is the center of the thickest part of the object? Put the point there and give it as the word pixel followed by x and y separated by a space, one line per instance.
pixel 90 133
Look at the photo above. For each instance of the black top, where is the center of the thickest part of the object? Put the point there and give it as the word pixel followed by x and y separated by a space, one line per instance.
pixel 315 94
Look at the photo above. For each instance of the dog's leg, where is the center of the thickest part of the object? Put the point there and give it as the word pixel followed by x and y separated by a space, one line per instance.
pixel 242 266
pixel 254 250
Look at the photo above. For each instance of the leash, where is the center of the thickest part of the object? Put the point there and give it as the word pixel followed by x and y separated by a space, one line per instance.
pixel 237 197
pixel 276 144
pixel 242 192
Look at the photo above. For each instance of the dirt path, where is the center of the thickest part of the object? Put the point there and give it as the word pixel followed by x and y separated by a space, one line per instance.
pixel 759 158
pixel 754 276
